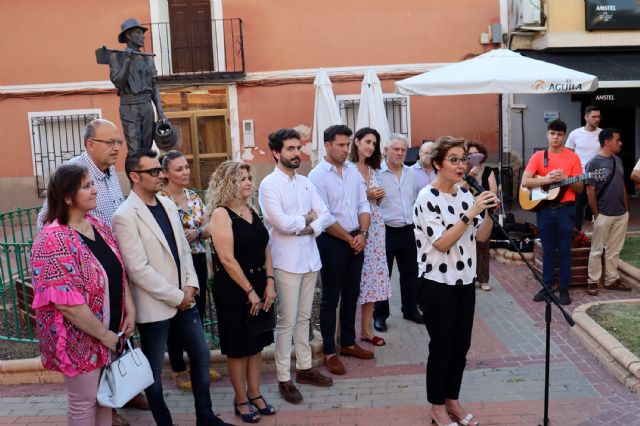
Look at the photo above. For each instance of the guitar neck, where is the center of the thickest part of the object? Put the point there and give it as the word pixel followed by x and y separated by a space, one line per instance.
pixel 568 181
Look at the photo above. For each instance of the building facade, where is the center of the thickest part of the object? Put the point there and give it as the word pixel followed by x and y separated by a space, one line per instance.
pixel 230 72
pixel 600 37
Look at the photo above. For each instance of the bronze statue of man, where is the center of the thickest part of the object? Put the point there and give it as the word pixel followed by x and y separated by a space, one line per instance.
pixel 135 77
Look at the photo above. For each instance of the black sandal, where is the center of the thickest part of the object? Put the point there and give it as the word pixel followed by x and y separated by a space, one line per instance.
pixel 268 409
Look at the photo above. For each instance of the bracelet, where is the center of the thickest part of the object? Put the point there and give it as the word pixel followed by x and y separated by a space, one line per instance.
pixel 250 290
pixel 271 276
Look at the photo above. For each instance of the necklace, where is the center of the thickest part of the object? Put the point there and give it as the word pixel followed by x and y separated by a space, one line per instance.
pixel 239 211
pixel 84 228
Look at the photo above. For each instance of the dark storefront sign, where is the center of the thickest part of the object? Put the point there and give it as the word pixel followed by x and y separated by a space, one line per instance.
pixel 614 97
pixel 612 15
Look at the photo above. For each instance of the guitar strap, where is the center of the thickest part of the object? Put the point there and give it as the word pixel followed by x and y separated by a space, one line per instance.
pixel 563 190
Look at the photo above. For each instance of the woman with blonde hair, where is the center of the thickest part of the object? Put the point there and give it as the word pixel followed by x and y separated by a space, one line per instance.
pixel 243 286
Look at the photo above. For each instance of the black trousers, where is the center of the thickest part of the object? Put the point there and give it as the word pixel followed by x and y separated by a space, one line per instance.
pixel 401 246
pixel 448 315
pixel 582 210
pixel 340 273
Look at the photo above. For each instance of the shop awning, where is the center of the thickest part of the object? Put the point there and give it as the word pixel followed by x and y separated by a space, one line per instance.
pixel 613 68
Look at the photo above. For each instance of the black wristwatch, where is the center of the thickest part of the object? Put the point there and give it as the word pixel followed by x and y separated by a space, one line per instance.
pixel 465 219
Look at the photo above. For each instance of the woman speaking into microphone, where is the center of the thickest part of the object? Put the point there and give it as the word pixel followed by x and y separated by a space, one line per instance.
pixel 447 224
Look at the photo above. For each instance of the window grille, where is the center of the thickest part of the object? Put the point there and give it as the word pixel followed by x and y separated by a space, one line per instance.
pixel 396 106
pixel 56 139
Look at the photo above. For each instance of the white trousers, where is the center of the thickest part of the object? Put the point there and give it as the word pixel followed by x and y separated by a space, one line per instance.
pixel 609 232
pixel 295 300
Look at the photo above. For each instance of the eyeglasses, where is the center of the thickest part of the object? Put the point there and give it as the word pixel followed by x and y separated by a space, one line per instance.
pixel 151 172
pixel 456 160
pixel 110 142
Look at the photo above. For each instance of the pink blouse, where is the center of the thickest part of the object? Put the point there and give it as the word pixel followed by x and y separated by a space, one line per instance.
pixel 65 272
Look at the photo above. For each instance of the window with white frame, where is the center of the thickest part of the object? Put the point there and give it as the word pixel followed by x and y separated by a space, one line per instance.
pixel 396 106
pixel 56 136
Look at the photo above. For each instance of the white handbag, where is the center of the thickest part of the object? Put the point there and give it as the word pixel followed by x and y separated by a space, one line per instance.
pixel 124 378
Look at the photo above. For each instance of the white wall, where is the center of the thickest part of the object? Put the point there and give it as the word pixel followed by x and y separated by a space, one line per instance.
pixel 534 126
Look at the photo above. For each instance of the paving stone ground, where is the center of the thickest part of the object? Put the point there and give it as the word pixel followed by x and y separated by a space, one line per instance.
pixel 503 383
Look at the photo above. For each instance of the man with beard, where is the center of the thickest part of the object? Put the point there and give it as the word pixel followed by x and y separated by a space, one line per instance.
pixel 609 204
pixel 584 142
pixel 293 213
pixel 341 246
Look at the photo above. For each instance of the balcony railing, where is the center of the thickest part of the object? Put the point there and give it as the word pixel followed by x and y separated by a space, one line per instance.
pixel 198 50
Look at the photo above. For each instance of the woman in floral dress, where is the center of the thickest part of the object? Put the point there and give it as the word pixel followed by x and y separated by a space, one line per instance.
pixel 375 284
pixel 191 209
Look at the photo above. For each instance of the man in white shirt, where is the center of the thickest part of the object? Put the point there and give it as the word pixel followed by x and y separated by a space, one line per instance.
pixel 398 182
pixel 584 142
pixel 635 174
pixel 341 246
pixel 293 213
pixel 422 170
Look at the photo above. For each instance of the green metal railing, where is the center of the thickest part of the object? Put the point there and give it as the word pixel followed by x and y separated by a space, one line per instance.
pixel 19 225
pixel 17 318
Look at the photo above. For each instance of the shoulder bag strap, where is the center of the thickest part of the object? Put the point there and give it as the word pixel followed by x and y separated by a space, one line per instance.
pixel 609 179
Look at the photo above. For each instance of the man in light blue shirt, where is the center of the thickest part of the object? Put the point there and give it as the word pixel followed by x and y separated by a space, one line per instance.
pixel 401 191
pixel 424 173
pixel 341 246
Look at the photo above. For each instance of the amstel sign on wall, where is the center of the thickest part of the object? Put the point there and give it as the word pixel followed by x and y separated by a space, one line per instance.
pixel 612 15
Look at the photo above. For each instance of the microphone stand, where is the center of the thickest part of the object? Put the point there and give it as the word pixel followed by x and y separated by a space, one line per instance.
pixel 550 298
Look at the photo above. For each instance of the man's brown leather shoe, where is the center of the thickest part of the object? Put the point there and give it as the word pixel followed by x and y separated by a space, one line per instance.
pixel 117 419
pixel 139 402
pixel 334 364
pixel 314 377
pixel 289 392
pixel 356 351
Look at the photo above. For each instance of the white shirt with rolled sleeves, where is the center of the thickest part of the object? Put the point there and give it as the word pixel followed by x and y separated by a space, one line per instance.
pixel 397 205
pixel 345 195
pixel 283 202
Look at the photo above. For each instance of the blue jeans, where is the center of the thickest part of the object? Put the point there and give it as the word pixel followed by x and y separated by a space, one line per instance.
pixel 153 341
pixel 555 227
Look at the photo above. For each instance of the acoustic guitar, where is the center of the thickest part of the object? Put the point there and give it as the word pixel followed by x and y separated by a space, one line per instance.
pixel 536 198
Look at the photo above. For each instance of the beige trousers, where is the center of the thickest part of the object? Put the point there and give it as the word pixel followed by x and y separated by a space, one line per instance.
pixel 609 232
pixel 295 300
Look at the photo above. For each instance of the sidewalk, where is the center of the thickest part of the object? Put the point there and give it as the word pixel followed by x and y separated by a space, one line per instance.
pixel 503 382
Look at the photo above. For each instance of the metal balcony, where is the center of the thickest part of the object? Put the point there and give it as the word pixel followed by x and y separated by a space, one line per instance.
pixel 197 51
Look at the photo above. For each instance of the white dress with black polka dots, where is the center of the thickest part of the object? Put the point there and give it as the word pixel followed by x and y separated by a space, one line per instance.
pixel 434 212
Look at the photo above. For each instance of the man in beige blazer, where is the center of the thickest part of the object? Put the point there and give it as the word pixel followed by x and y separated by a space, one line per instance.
pixel 163 283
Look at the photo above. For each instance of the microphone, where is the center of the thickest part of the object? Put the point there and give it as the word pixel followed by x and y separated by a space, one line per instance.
pixel 473 183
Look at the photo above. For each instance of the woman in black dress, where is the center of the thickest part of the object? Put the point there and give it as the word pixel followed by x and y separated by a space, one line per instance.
pixel 243 280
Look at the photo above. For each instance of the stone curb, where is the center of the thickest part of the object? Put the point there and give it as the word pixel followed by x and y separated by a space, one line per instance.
pixel 606 348
pixel 629 274
pixel 31 371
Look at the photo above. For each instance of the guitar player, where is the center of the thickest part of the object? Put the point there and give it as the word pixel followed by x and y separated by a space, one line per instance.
pixel 555 220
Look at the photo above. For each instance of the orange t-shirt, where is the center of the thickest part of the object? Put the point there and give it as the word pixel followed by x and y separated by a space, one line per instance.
pixel 567 160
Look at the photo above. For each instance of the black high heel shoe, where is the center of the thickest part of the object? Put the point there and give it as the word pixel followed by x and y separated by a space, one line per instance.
pixel 251 417
pixel 268 409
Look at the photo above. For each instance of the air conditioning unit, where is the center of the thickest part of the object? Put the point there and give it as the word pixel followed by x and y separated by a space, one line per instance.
pixel 526 13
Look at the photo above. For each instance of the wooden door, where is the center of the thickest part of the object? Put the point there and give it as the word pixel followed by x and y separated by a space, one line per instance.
pixel 191 46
